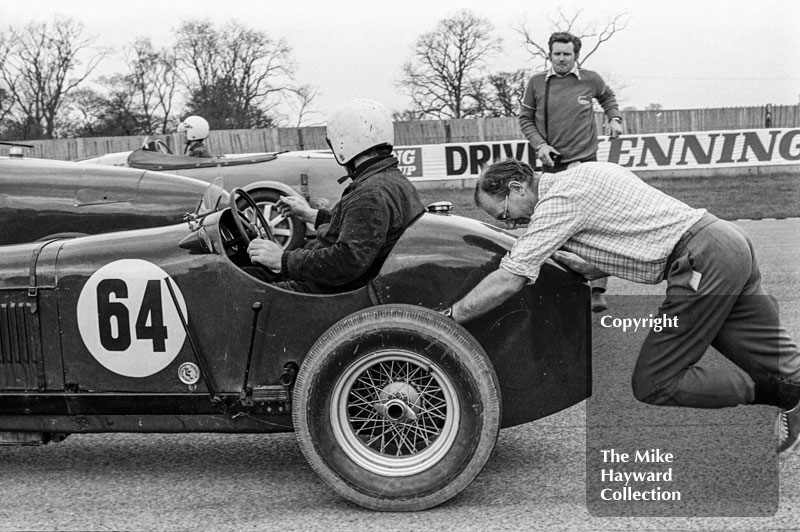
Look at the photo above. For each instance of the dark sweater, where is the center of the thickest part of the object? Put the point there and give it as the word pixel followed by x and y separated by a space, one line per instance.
pixel 571 127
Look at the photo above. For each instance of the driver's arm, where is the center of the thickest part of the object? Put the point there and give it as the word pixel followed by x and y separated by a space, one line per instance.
pixel 323 217
pixel 363 230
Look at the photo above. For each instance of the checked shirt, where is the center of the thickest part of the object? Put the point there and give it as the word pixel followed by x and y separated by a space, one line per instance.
pixel 605 214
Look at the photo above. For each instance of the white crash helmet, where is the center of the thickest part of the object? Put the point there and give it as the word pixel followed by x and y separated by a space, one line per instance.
pixel 196 128
pixel 356 126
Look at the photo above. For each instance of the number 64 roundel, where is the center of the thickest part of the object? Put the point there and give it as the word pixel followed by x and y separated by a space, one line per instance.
pixel 127 318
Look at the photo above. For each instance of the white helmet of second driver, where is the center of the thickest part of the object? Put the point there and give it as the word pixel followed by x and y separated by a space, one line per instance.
pixel 356 126
pixel 196 127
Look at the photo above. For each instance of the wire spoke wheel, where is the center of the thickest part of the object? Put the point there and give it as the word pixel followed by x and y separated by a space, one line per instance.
pixel 396 408
pixel 394 413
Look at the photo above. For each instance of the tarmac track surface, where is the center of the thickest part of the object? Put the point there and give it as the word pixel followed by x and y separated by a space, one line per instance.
pixel 536 479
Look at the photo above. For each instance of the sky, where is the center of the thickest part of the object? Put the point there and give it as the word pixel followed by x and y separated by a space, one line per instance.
pixel 677 53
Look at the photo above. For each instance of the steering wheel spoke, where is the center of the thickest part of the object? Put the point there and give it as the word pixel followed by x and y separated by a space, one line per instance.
pixel 244 225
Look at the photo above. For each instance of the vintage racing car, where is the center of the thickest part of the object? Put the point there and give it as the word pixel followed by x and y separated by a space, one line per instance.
pixel 266 176
pixel 395 406
pixel 42 199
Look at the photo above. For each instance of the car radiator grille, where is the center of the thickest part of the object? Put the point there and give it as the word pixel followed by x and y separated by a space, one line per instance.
pixel 20 347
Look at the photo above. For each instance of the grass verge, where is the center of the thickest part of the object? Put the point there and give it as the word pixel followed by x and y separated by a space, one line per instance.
pixel 746 197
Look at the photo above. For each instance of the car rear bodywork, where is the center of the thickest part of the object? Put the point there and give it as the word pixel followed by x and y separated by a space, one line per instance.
pixel 311 174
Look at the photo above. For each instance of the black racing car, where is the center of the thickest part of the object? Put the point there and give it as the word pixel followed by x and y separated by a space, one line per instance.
pixel 395 406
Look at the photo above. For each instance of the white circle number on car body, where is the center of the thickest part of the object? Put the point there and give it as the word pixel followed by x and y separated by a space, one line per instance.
pixel 128 320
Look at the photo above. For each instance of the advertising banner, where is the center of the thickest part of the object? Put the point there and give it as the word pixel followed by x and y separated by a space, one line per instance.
pixel 664 151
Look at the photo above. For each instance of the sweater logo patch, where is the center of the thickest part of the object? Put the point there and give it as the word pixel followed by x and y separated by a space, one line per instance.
pixel 584 100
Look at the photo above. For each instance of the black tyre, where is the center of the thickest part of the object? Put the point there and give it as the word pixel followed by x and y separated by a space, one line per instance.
pixel 397 408
pixel 290 232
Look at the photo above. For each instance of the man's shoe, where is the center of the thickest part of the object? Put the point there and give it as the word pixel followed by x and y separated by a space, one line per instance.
pixel 787 427
pixel 599 303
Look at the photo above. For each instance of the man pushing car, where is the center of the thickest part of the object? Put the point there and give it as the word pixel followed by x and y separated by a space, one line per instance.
pixel 601 219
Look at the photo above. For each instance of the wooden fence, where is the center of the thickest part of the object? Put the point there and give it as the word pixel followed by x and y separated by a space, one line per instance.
pixel 424 132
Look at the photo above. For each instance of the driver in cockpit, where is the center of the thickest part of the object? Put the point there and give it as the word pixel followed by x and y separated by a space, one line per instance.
pixel 196 129
pixel 355 237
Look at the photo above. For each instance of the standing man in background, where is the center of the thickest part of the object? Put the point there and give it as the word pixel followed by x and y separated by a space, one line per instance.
pixel 557 117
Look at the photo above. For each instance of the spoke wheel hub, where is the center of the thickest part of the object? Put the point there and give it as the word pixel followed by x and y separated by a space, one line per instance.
pixel 394 413
pixel 399 402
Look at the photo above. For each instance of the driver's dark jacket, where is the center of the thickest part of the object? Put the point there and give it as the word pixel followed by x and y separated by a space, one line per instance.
pixel 196 148
pixel 355 237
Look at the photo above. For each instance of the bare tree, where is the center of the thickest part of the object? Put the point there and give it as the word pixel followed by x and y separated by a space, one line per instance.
pixel 40 62
pixel 122 114
pixel 445 66
pixel 5 97
pixel 592 35
pixel 304 96
pixel 109 111
pixel 406 115
pixel 86 108
pixel 135 102
pixel 499 94
pixel 155 82
pixel 235 76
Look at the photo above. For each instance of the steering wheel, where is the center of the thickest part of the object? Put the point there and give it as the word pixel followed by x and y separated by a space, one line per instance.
pixel 155 145
pixel 243 223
